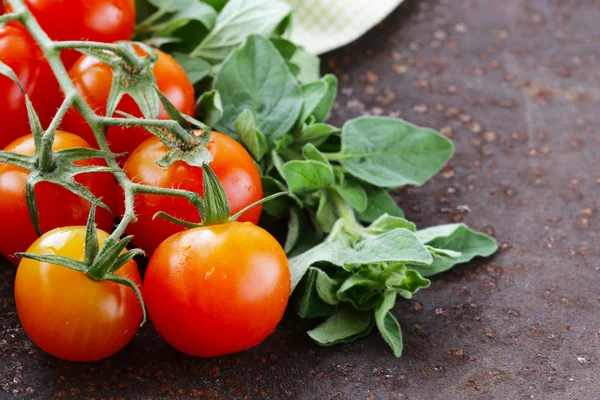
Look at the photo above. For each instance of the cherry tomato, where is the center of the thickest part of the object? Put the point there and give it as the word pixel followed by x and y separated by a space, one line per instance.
pixel 57 206
pixel 19 51
pixel 93 79
pixel 68 314
pixel 232 164
pixel 96 20
pixel 218 289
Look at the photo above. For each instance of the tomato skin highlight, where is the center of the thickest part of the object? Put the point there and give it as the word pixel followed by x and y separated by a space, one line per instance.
pixel 218 289
pixel 19 51
pixel 66 313
pixel 233 166
pixel 93 80
pixel 95 20
pixel 56 206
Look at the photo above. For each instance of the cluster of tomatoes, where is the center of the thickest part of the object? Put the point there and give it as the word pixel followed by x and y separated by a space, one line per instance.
pixel 209 291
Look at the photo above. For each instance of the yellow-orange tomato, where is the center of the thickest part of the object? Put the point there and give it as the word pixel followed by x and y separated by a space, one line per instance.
pixel 218 289
pixel 65 312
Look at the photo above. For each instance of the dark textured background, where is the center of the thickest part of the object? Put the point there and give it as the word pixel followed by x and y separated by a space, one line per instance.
pixel 516 84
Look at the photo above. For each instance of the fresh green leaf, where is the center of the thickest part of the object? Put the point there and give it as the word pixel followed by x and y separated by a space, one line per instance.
pixel 284 27
pixel 315 134
pixel 280 206
pixel 327 288
pixel 256 77
pixel 387 324
pixel 310 152
pixel 309 66
pixel 405 282
pixel 307 175
pixel 308 236
pixel 388 222
pixel 309 303
pixel 379 202
pixel 210 108
pixel 253 139
pixel 293 232
pixel 353 194
pixel 181 12
pixel 388 152
pixel 444 252
pixel 323 108
pixel 326 216
pixel 216 4
pixel 455 237
pixel 195 68
pixel 361 289
pixel 143 9
pixel 397 245
pixel 286 48
pixel 277 162
pixel 345 326
pixel 312 94
pixel 238 20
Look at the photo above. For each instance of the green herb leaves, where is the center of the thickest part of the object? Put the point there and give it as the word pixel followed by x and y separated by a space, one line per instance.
pixel 355 276
pixel 388 152
pixel 257 78
pixel 268 94
pixel 238 20
pixel 458 238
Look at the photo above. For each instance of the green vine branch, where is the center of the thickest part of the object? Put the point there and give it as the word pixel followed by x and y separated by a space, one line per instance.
pixel 175 133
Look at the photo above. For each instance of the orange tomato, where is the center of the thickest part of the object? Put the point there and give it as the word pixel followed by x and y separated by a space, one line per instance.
pixel 65 312
pixel 218 289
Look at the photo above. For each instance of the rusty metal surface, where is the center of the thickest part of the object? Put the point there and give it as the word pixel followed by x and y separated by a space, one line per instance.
pixel 516 84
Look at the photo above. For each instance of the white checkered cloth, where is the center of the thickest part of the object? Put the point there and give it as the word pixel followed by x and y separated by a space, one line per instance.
pixel 323 25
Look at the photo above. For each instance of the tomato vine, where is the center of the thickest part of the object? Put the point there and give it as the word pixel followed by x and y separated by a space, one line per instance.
pixel 58 167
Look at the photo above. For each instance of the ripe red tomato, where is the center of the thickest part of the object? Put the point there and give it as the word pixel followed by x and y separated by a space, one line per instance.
pixel 57 206
pixel 232 164
pixel 96 20
pixel 218 289
pixel 68 314
pixel 93 79
pixel 19 51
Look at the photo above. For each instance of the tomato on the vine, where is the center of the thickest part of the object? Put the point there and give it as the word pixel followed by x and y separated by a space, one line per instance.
pixel 57 206
pixel 93 79
pixel 19 51
pixel 68 314
pixel 96 20
pixel 232 164
pixel 218 289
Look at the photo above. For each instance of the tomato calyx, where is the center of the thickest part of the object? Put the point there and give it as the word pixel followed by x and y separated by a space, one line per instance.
pixel 215 208
pixel 100 263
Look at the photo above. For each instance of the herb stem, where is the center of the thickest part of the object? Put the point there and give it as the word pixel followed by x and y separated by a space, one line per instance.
pixel 342 208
